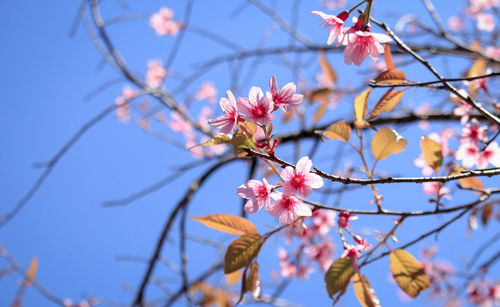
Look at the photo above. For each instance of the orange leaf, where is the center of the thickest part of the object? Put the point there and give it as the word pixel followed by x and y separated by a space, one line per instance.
pixel 241 252
pixel 326 67
pixel 227 223
pixel 392 76
pixel 388 56
pixel 320 111
pixel 387 103
pixel 30 275
pixel 338 131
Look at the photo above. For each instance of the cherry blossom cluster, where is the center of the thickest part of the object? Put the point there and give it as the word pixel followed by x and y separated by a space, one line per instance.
pixel 314 242
pixel 352 251
pixel 359 40
pixel 257 108
pixel 470 152
pixel 286 206
pixel 162 22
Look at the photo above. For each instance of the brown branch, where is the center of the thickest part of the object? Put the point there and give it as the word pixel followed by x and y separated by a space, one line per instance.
pixel 195 185
pixel 348 180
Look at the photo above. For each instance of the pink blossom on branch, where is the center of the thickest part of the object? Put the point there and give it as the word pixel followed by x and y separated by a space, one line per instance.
pixel 363 43
pixel 334 23
pixel 344 218
pixel 258 194
pixel 163 24
pixel 288 208
pixel 257 108
pixel 285 98
pixel 300 179
pixel 227 121
pixel 155 74
pixel 207 91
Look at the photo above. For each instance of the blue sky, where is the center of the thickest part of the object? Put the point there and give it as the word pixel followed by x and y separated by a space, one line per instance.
pixel 46 76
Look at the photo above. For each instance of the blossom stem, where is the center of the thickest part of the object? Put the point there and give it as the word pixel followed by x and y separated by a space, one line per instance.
pixel 356 6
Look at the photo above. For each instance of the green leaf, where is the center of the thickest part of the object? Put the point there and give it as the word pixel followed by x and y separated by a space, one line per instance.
pixel 386 142
pixel 408 272
pixel 338 131
pixel 241 252
pixel 433 155
pixel 338 276
pixel 219 139
pixel 227 223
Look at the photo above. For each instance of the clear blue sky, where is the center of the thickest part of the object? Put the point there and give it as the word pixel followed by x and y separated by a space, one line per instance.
pixel 46 74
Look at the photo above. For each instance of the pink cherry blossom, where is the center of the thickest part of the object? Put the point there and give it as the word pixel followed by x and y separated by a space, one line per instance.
pixel 365 245
pixel 322 253
pixel 257 107
pixel 155 74
pixel 163 24
pixel 362 44
pixel 426 169
pixel 288 208
pixel 285 98
pixel 300 179
pixel 258 194
pixel 436 189
pixel 178 123
pixel 323 220
pixel 468 153
pixel 490 155
pixel 456 24
pixel 227 122
pixel 207 91
pixel 334 23
pixel 485 22
pixel 344 218
pixel 473 133
pixel 353 252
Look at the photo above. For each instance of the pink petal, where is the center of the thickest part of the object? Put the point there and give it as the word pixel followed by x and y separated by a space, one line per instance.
pixel 304 190
pixel 303 166
pixel 314 180
pixel 288 188
pixel 252 206
pixel 302 209
pixel 287 173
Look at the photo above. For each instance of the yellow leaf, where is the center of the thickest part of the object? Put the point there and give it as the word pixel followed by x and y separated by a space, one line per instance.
pixel 364 291
pixel 393 76
pixel 387 103
pixel 433 155
pixel 219 139
pixel 241 252
pixel 233 278
pixel 326 67
pixel 408 272
pixel 320 111
pixel 227 223
pixel 338 276
pixel 287 116
pixel 360 109
pixel 338 131
pixel 386 142
pixel 30 275
pixel 241 141
pixel 476 69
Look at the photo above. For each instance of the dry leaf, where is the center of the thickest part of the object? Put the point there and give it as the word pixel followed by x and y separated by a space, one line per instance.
pixel 387 103
pixel 386 142
pixel 408 272
pixel 326 67
pixel 30 275
pixel 433 155
pixel 227 223
pixel 364 291
pixel 241 252
pixel 338 131
pixel 338 275
pixel 360 109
